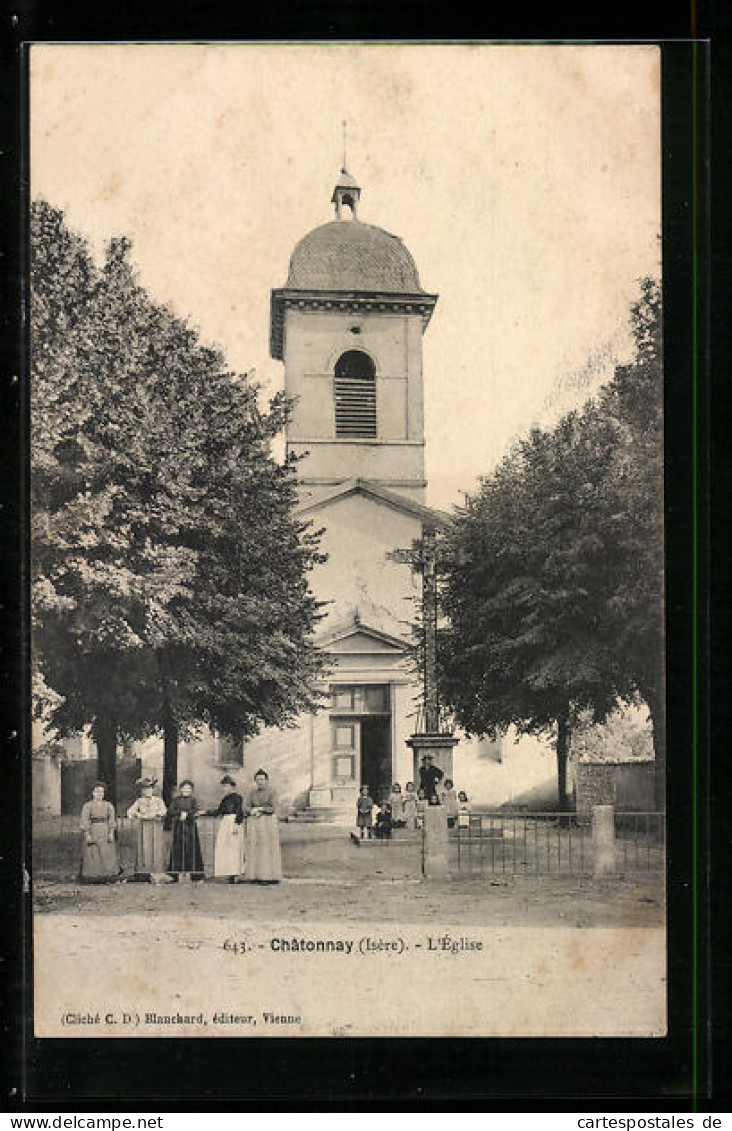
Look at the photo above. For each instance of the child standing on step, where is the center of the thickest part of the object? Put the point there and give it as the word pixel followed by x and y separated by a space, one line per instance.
pixel 409 806
pixel 463 819
pixel 448 798
pixel 383 827
pixel 365 813
pixel 397 806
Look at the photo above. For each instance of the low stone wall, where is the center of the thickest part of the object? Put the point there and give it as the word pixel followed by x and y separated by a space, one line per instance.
pixel 629 786
pixel 46 785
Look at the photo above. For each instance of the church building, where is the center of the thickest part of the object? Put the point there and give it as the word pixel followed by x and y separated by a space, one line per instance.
pixel 348 326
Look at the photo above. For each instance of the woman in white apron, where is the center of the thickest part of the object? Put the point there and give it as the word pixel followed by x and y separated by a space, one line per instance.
pixel 229 848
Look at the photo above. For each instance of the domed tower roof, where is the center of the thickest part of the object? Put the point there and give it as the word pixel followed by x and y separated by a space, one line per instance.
pixel 348 255
pixel 348 260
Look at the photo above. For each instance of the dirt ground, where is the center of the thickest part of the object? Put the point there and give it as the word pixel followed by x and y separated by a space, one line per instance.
pixel 327 877
pixel 527 901
pixel 528 955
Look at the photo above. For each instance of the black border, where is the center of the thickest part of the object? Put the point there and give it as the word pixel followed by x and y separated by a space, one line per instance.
pixel 719 542
pixel 348 19
pixel 422 1074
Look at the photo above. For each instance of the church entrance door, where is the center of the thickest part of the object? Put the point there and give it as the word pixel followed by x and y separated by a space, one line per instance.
pixel 376 756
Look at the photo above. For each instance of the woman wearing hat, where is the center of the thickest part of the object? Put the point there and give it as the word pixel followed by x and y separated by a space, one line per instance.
pixel 185 849
pixel 148 813
pixel 264 865
pixel 98 823
pixel 229 848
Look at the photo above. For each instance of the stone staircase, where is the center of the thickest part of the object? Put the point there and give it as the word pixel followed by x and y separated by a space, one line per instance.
pixel 322 815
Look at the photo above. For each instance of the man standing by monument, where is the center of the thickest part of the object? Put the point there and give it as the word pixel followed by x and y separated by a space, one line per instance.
pixel 429 776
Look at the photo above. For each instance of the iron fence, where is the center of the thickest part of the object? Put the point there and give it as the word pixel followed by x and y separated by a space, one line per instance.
pixel 58 843
pixel 490 843
pixel 552 843
pixel 640 842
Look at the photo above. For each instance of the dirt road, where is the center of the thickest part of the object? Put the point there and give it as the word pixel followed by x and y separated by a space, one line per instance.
pixel 347 930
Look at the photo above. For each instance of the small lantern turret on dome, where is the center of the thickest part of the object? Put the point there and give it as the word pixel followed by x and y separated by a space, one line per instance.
pixel 345 196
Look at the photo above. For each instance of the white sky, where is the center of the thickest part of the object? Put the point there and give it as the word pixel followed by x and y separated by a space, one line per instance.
pixel 525 180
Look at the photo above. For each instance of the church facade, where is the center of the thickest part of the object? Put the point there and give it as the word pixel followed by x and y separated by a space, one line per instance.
pixel 348 327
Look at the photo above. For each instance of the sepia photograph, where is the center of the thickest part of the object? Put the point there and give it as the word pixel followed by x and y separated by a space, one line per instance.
pixel 346 540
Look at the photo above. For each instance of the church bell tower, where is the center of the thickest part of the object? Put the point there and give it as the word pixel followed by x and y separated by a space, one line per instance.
pixel 348 326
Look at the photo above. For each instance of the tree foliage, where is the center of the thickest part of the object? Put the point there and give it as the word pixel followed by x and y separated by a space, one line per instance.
pixel 552 572
pixel 633 502
pixel 169 571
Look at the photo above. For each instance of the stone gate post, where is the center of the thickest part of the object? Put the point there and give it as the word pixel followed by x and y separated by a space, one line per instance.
pixel 603 840
pixel 434 852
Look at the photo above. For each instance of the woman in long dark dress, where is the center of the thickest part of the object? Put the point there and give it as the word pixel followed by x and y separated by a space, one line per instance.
pixel 264 864
pixel 229 849
pixel 98 823
pixel 185 849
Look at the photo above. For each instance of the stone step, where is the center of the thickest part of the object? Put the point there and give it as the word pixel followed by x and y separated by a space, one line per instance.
pixel 323 815
pixel 306 819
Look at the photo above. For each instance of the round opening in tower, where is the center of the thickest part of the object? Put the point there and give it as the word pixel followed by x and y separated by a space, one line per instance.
pixel 355 395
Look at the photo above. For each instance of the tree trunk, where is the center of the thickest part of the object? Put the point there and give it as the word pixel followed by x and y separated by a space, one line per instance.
pixel 105 737
pixel 562 755
pixel 170 756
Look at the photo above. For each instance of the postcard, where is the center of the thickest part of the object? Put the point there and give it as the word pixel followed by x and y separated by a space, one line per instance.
pixel 346 540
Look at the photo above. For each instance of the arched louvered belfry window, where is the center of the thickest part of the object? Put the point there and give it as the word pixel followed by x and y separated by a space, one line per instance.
pixel 355 395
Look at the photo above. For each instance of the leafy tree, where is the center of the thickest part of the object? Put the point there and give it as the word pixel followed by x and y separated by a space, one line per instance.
pixel 552 571
pixel 170 574
pixel 523 592
pixel 633 506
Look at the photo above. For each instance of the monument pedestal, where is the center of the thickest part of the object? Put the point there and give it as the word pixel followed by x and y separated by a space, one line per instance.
pixel 440 746
pixel 434 855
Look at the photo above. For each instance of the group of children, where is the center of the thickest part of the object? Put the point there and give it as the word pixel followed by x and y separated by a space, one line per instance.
pixel 406 810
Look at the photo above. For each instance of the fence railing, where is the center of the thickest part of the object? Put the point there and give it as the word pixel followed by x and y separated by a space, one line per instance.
pixel 640 841
pixel 58 845
pixel 489 843
pixel 552 843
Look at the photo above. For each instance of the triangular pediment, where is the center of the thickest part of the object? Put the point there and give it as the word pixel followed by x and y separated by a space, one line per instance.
pixel 361 638
pixel 378 494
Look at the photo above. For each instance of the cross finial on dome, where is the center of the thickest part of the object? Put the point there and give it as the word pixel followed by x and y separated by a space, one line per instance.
pixel 346 192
